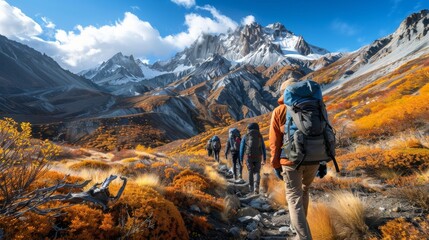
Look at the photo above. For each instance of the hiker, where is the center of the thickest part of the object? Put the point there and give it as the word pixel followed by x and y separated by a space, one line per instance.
pixel 216 147
pixel 252 146
pixel 233 146
pixel 209 147
pixel 288 143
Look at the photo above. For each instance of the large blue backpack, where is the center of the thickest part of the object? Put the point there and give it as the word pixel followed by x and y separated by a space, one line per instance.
pixel 309 137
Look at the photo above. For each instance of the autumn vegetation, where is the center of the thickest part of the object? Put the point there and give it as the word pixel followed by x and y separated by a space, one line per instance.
pixel 383 149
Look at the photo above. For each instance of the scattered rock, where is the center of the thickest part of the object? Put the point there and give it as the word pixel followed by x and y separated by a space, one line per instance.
pixel 248 199
pixel 245 219
pixel 232 202
pixel 382 209
pixel 223 168
pixel 267 207
pixel 280 212
pixel 284 229
pixel 257 203
pixel 195 208
pixel 235 232
pixel 418 210
pixel 257 218
pixel 396 209
pixel 252 226
pixel 247 211
pixel 254 235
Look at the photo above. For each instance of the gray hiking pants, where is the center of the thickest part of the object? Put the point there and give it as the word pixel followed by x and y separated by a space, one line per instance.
pixel 254 169
pixel 297 185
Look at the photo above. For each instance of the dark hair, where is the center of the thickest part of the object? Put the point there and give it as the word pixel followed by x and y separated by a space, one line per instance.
pixel 252 126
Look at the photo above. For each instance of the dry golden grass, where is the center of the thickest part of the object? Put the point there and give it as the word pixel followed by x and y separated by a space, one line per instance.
pixel 319 220
pixel 90 164
pixel 416 195
pixel 150 180
pixel 214 176
pixel 349 216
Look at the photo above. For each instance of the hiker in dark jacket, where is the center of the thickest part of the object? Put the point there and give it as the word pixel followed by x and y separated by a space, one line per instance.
pixel 216 146
pixel 253 147
pixel 209 147
pixel 233 147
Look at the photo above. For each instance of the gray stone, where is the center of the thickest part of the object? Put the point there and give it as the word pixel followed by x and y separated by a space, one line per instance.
pixel 232 202
pixel 195 208
pixel 280 212
pixel 257 218
pixel 382 209
pixel 235 231
pixel 255 234
pixel 252 226
pixel 396 209
pixel 266 207
pixel 257 203
pixel 284 229
pixel 245 219
pixel 247 211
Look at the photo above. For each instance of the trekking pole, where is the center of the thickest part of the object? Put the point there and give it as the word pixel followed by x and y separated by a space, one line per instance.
pixel 335 164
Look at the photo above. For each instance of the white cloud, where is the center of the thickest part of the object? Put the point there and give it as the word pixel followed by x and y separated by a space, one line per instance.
pixel 90 45
pixel 248 20
pixel 343 28
pixel 185 3
pixel 48 23
pixel 87 46
pixel 15 24
pixel 198 25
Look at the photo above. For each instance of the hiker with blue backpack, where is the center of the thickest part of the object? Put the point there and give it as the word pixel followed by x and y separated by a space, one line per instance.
pixel 216 146
pixel 233 147
pixel 302 141
pixel 253 147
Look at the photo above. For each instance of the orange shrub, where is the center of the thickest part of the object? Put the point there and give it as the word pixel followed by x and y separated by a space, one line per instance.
pixel 90 164
pixel 184 200
pixel 404 161
pixel 401 229
pixel 29 226
pixel 149 215
pixel 189 180
pixel 85 222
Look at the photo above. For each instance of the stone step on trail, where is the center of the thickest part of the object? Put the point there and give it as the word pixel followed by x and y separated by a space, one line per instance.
pixel 257 217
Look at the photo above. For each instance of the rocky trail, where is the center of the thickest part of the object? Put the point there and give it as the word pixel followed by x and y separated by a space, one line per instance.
pixel 256 216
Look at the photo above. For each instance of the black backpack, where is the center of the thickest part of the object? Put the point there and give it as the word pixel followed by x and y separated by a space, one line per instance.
pixel 254 143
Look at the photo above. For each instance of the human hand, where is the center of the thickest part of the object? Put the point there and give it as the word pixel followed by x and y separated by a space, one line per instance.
pixel 278 173
pixel 322 171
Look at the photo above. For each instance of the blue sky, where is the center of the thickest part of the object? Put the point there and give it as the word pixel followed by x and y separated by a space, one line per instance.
pixel 331 24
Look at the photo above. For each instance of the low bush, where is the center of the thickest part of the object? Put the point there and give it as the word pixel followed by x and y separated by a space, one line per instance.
pixel 90 164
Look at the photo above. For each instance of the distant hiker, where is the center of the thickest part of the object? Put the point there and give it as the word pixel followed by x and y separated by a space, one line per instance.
pixel 209 147
pixel 216 147
pixel 300 135
pixel 252 146
pixel 233 146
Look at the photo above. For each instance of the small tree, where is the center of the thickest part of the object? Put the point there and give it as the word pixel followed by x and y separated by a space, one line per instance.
pixel 22 160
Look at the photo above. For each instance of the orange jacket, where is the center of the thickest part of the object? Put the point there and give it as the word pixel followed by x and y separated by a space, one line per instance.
pixel 277 127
